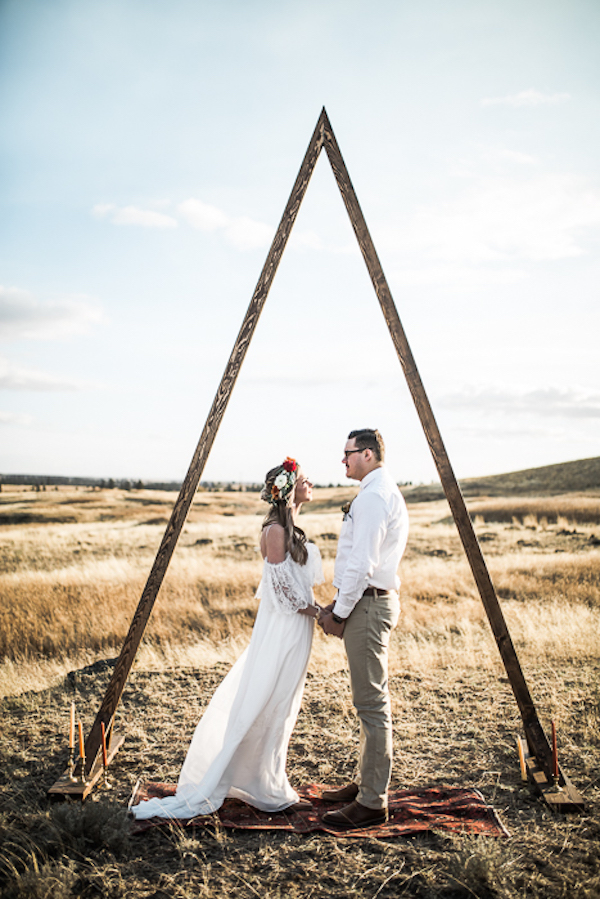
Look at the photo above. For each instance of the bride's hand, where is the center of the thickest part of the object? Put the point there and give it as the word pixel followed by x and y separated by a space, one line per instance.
pixel 331 627
pixel 311 611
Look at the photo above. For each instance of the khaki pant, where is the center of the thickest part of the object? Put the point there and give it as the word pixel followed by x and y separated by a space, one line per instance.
pixel 367 637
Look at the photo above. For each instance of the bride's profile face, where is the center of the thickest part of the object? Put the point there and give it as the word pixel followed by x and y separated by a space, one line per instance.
pixel 304 487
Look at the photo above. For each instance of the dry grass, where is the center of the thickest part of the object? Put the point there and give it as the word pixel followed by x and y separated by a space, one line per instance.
pixel 69 590
pixel 566 510
pixel 71 576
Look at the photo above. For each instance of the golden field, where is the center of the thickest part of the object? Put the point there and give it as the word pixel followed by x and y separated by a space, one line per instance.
pixel 73 565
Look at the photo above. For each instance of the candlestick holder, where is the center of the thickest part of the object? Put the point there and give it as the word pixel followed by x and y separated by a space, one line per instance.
pixel 106 784
pixel 82 777
pixel 71 764
pixel 555 787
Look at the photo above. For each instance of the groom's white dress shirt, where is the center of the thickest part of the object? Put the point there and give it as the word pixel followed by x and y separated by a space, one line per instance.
pixel 372 541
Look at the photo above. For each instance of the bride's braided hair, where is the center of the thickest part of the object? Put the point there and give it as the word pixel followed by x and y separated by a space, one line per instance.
pixel 281 501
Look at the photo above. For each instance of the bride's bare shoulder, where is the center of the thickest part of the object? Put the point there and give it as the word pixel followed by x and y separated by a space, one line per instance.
pixel 273 543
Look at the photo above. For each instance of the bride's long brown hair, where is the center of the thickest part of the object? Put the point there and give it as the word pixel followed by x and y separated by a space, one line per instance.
pixel 281 513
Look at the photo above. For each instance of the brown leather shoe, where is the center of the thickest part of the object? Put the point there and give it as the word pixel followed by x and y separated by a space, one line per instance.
pixel 303 805
pixel 344 794
pixel 355 815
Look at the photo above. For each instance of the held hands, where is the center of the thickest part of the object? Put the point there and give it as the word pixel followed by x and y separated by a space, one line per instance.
pixel 323 617
pixel 328 625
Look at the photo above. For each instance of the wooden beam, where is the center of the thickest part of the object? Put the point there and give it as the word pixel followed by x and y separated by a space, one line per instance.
pixel 323 136
pixel 535 735
pixel 180 510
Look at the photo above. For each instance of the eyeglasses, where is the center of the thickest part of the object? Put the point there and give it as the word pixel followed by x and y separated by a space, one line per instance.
pixel 349 452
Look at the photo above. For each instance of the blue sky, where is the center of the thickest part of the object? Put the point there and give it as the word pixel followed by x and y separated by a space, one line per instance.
pixel 147 152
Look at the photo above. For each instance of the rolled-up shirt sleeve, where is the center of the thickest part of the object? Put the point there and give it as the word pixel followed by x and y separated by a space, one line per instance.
pixel 369 524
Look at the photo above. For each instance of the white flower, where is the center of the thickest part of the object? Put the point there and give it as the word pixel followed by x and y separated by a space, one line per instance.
pixel 281 481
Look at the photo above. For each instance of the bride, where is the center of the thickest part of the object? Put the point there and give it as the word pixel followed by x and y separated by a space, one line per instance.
pixel 239 748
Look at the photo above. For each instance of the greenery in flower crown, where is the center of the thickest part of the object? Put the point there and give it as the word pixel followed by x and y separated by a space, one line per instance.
pixel 284 481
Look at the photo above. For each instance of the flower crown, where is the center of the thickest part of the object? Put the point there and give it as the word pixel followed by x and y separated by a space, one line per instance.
pixel 284 482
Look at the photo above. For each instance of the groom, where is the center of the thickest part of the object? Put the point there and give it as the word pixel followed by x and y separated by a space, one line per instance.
pixel 365 611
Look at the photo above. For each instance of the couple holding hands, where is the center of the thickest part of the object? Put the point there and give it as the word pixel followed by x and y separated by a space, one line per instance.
pixel 239 748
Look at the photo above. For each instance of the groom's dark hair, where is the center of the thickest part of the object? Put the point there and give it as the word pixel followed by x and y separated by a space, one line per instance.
pixel 367 438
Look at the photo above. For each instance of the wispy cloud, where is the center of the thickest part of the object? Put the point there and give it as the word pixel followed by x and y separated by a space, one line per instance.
pixel 13 377
pixel 502 155
pixel 15 418
pixel 529 97
pixel 546 402
pixel 203 216
pixel 500 219
pixel 310 240
pixel 22 316
pixel 243 232
pixel 132 215
pixel 488 430
pixel 247 234
pixel 471 277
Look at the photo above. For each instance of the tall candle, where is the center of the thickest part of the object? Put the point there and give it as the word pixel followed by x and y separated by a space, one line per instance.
pixel 104 755
pixel 72 727
pixel 81 746
pixel 554 752
pixel 522 760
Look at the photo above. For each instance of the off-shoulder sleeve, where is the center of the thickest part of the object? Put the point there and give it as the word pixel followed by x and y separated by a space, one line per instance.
pixel 282 588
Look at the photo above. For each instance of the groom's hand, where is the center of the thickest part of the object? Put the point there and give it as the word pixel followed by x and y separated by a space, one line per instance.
pixel 331 627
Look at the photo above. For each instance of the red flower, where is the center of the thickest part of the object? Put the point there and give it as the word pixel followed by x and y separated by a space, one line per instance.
pixel 290 464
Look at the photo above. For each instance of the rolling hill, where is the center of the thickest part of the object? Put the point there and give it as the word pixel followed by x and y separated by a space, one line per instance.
pixel 549 480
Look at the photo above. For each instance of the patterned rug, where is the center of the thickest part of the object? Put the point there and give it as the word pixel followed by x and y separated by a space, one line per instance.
pixel 410 811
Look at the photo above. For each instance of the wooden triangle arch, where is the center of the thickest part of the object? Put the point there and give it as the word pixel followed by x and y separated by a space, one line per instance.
pixel 538 747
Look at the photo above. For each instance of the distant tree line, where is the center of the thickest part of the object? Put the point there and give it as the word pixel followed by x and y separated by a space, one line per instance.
pixel 42 482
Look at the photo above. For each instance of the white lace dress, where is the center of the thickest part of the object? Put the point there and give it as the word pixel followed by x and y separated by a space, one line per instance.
pixel 239 748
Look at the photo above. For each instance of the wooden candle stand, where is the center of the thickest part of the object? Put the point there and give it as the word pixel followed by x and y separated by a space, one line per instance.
pixel 80 788
pixel 556 790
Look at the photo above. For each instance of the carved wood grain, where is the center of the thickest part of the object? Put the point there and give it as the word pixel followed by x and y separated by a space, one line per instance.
pixel 215 416
pixel 323 136
pixel 535 734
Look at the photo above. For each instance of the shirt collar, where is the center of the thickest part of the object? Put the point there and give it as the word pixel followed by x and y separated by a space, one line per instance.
pixel 372 476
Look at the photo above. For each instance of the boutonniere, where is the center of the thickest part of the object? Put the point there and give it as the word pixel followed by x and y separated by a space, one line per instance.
pixel 346 509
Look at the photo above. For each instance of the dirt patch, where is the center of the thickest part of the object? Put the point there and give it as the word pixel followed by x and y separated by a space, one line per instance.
pixel 451 727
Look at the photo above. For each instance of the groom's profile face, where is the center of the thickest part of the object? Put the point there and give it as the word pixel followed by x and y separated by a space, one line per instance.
pixel 354 460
